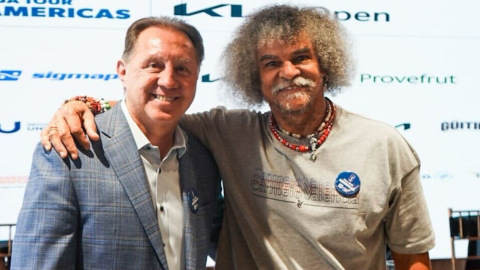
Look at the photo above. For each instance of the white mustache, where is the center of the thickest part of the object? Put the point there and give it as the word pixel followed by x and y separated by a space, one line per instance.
pixel 298 81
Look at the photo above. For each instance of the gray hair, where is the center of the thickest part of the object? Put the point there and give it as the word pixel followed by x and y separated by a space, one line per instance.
pixel 163 22
pixel 285 23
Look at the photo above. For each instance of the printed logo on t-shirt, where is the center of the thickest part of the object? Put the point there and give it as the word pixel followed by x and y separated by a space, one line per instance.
pixel 301 191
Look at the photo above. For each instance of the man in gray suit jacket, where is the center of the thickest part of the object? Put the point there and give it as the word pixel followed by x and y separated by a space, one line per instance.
pixel 144 195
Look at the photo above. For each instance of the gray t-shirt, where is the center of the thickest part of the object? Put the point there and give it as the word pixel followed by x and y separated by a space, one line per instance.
pixel 282 209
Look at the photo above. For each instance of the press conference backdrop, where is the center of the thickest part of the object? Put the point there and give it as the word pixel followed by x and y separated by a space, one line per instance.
pixel 417 69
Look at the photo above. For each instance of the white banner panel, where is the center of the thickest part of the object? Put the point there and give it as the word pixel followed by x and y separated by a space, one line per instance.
pixel 416 70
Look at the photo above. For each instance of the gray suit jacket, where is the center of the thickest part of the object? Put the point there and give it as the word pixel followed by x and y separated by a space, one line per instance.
pixel 97 212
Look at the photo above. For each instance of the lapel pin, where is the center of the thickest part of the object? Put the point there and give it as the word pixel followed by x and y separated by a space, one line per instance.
pixel 193 200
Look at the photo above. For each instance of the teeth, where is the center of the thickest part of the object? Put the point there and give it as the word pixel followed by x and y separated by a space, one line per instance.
pixel 164 98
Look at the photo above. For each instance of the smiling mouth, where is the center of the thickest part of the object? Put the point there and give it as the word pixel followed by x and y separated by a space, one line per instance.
pixel 164 98
pixel 277 91
pixel 292 87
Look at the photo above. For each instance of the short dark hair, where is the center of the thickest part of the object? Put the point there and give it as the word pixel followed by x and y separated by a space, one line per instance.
pixel 163 22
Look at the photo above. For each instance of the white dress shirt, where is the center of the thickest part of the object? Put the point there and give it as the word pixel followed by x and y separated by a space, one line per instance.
pixel 164 179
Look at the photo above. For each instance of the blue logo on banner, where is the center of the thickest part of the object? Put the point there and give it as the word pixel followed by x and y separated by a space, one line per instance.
pixel 9 75
pixel 15 129
pixel 63 76
pixel 206 78
pixel 404 126
pixel 60 9
pixel 235 10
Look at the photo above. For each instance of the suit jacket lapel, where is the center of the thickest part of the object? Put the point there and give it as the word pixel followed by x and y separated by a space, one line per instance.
pixel 122 153
pixel 188 182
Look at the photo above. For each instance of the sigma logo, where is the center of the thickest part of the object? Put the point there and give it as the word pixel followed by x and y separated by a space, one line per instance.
pixel 404 126
pixel 64 76
pixel 10 75
pixel 235 10
pixel 16 127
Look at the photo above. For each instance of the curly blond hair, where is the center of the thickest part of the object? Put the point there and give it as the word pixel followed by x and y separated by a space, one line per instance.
pixel 285 23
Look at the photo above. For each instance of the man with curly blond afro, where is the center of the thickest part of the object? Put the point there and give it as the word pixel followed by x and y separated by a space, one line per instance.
pixel 308 185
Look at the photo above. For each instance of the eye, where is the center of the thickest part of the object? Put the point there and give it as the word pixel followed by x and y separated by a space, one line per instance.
pixel 153 65
pixel 182 68
pixel 272 64
pixel 301 58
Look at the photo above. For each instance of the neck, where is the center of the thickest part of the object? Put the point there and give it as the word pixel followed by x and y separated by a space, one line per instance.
pixel 302 123
pixel 161 136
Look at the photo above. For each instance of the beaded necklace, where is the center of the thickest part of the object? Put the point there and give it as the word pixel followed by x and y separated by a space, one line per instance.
pixel 316 139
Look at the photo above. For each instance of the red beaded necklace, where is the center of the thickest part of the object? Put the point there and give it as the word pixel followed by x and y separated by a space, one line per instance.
pixel 316 139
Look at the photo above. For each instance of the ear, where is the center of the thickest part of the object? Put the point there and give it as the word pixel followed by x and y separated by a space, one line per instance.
pixel 121 69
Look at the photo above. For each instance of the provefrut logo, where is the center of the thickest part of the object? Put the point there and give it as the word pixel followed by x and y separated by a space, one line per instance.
pixel 57 9
pixel 75 76
pixel 9 128
pixel 407 79
pixel 10 75
pixel 235 11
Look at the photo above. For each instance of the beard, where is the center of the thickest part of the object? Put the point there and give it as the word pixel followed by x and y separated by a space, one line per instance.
pixel 305 95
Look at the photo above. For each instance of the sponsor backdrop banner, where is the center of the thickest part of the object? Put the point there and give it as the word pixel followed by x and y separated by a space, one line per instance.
pixel 416 70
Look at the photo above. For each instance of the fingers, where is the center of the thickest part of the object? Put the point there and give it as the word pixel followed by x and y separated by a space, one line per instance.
pixel 50 137
pixel 70 125
pixel 63 141
pixel 56 141
pixel 44 138
pixel 90 126
pixel 66 125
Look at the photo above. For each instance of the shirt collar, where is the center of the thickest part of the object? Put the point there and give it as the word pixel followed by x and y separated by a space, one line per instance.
pixel 180 137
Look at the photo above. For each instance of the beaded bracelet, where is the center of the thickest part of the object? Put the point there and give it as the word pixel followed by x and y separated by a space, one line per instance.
pixel 95 105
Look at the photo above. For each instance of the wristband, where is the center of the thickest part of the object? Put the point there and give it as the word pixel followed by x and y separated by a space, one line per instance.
pixel 95 105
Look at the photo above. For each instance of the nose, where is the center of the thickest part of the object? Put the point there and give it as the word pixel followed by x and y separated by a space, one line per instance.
pixel 167 78
pixel 289 71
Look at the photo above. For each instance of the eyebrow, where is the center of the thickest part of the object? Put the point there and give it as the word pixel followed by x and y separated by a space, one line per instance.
pixel 267 57
pixel 271 56
pixel 302 50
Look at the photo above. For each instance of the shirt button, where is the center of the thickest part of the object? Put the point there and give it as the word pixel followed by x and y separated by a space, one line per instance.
pixel 161 208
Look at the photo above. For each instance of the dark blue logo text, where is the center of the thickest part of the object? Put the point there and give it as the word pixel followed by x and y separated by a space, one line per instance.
pixel 15 128
pixel 235 10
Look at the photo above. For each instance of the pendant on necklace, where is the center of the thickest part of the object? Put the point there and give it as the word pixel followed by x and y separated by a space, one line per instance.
pixel 313 143
pixel 315 147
